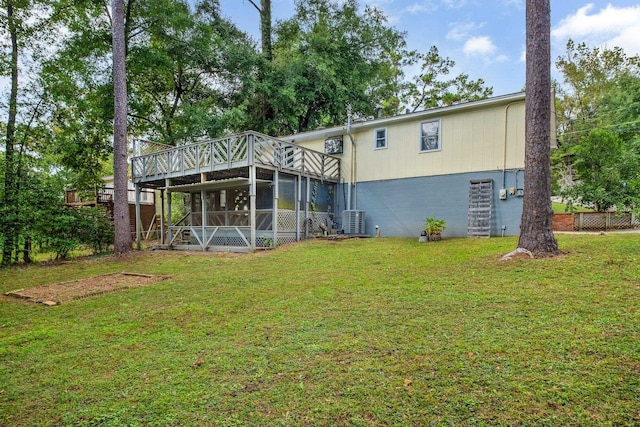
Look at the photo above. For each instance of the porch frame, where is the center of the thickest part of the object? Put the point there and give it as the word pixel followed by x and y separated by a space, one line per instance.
pixel 227 163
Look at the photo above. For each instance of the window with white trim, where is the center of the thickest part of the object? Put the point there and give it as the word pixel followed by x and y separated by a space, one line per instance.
pixel 380 138
pixel 430 136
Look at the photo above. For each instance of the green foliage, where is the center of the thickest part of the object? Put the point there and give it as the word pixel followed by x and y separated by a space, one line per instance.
pixel 332 56
pixel 596 163
pixel 61 236
pixel 96 229
pixel 606 172
pixel 328 55
pixel 429 89
pixel 407 335
pixel 188 73
pixel 589 75
pixel 66 229
pixel 434 226
pixel 191 73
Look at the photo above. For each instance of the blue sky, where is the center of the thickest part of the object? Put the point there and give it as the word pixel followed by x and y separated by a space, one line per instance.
pixel 486 39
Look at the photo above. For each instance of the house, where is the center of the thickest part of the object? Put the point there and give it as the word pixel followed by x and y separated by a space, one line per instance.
pixel 462 163
pixel 103 197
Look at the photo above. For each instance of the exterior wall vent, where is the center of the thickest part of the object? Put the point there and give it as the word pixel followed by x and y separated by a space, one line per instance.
pixel 353 222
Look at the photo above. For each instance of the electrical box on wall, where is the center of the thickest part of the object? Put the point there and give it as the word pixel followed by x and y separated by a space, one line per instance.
pixel 503 194
pixel 520 192
pixel 512 191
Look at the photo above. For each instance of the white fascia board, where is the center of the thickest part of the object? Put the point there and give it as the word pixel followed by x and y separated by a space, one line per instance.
pixel 418 115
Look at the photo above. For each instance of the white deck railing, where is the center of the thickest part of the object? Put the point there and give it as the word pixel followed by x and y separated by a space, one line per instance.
pixel 241 150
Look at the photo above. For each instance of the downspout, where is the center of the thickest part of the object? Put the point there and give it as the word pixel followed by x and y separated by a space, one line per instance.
pixel 352 177
pixel 504 151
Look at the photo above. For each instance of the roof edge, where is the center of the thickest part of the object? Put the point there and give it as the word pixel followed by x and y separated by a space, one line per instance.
pixel 340 130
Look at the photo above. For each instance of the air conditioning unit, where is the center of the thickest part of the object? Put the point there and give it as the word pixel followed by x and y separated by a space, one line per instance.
pixel 353 222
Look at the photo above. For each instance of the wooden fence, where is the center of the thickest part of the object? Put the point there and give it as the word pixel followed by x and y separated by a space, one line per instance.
pixel 594 221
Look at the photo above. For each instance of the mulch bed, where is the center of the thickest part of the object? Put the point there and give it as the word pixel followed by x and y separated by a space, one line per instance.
pixel 58 293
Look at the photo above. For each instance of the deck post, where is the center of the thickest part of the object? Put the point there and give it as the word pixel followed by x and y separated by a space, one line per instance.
pixel 276 196
pixel 168 210
pixel 307 211
pixel 138 217
pixel 203 210
pixel 252 188
pixel 298 181
pixel 162 240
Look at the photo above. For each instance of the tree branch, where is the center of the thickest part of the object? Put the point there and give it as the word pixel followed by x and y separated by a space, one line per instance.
pixel 256 6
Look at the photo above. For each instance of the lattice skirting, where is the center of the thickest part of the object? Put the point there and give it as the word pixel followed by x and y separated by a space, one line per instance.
pixel 604 221
pixel 240 236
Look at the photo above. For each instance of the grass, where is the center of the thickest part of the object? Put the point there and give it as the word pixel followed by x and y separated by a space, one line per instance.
pixel 558 207
pixel 361 332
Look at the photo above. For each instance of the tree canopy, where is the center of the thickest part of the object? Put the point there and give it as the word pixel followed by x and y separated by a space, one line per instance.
pixel 331 56
pixel 190 74
pixel 598 106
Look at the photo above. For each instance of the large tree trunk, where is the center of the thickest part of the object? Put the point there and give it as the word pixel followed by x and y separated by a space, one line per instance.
pixel 536 234
pixel 120 165
pixel 267 115
pixel 10 219
pixel 265 29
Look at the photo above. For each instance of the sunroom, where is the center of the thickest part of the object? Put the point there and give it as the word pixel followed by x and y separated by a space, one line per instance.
pixel 243 192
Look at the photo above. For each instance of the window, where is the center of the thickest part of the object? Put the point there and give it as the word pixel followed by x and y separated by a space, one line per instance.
pixel 430 135
pixel 381 138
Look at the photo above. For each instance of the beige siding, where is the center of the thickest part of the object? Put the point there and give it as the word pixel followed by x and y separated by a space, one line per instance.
pixel 472 140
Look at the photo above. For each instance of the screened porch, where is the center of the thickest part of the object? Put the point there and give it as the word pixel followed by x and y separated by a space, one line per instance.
pixel 243 192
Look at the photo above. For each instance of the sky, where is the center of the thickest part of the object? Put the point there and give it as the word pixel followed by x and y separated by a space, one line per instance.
pixel 486 39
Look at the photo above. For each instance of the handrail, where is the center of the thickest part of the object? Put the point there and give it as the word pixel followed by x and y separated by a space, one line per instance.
pixel 233 151
pixel 106 195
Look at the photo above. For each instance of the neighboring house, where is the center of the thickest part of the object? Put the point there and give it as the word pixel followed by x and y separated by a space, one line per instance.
pixel 104 197
pixel 463 163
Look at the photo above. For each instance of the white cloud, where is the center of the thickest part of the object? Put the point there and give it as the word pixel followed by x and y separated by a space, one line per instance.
pixel 612 27
pixel 517 3
pixel 454 4
pixel 477 46
pixel 460 30
pixel 423 7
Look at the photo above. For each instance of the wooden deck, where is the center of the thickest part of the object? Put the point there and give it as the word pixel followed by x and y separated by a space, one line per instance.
pixel 232 153
pixel 105 196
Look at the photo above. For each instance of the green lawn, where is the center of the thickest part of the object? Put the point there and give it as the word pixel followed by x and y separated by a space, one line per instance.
pixel 358 332
pixel 563 208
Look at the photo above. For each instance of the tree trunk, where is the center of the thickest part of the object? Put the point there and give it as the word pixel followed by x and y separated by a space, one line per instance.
pixel 120 166
pixel 536 234
pixel 265 29
pixel 10 219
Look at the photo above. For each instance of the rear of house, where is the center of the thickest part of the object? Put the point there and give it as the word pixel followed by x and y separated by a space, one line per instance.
pixel 462 163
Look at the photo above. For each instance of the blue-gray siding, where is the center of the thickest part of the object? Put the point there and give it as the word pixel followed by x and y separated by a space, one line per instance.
pixel 400 207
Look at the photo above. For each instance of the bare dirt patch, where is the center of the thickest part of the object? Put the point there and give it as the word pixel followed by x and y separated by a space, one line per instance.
pixel 58 293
